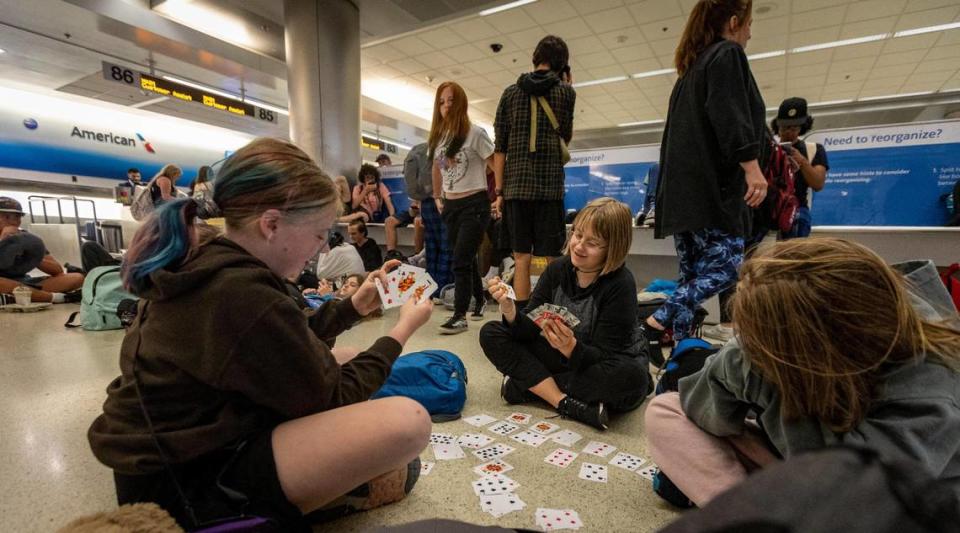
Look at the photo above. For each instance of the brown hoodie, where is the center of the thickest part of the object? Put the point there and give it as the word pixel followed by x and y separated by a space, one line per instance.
pixel 224 352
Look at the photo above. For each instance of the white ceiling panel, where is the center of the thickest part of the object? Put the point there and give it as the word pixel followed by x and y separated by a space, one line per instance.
pixel 552 11
pixel 612 19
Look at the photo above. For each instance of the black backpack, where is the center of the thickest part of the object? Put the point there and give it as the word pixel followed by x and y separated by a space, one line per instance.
pixel 832 490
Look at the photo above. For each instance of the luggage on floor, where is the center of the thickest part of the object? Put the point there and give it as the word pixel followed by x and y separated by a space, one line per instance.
pixel 435 378
pixel 104 301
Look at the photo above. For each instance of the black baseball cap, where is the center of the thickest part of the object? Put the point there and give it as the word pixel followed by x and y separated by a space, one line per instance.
pixel 9 205
pixel 792 112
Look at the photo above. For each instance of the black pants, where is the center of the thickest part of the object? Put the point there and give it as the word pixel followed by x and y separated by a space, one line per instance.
pixel 621 383
pixel 93 255
pixel 466 220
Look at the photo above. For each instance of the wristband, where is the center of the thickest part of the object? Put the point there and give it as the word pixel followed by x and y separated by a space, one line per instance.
pixel 498 192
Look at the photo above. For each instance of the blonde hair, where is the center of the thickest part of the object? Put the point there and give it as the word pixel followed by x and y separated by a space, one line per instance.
pixel 824 319
pixel 611 221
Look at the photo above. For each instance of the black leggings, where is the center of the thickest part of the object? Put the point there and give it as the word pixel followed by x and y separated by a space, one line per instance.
pixel 466 220
pixel 621 383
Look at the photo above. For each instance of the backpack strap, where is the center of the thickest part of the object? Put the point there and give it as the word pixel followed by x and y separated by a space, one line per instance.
pixel 533 123
pixel 533 119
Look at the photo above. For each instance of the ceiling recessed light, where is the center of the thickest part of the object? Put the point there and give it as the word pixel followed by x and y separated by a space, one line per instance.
pixel 2 51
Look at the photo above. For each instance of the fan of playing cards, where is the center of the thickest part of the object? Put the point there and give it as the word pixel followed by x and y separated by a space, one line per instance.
pixel 553 312
pixel 403 283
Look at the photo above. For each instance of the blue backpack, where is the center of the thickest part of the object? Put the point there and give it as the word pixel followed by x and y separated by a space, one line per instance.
pixel 687 357
pixel 435 378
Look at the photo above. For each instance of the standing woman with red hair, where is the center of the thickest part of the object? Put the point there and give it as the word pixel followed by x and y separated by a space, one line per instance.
pixel 461 152
pixel 709 170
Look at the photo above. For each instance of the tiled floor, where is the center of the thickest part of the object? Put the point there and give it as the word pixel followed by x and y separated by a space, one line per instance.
pixel 52 382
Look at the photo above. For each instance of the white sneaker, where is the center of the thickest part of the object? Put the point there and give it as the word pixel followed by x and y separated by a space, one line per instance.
pixel 719 332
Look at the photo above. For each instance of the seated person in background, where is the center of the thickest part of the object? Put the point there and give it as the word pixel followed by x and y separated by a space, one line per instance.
pixel 342 259
pixel 400 220
pixel 383 160
pixel 261 416
pixel 325 289
pixel 21 252
pixel 201 187
pixel 346 200
pixel 366 247
pixel 832 347
pixel 133 177
pixel 371 197
pixel 599 364
pixel 163 187
pixel 93 255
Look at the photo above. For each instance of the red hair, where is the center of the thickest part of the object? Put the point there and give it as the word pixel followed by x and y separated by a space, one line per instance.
pixel 455 126
pixel 705 26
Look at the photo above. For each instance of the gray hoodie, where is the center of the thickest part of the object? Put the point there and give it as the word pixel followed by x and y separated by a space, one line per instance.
pixel 916 414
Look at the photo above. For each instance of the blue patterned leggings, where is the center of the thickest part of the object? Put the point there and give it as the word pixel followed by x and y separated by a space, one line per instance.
pixel 709 261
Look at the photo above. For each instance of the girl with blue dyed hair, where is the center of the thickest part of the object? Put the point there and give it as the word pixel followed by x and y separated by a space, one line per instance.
pixel 230 398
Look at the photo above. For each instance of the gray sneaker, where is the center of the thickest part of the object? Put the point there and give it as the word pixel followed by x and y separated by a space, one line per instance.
pixel 719 332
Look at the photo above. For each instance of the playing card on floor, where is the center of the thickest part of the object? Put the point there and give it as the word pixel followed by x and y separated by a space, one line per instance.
pixel 648 471
pixel 479 420
pixel 492 452
pixel 493 467
pixel 426 467
pixel 561 457
pixel 447 452
pixel 503 428
pixel 627 461
pixel 593 472
pixel 520 418
pixel 501 504
pixel 473 441
pixel 565 437
pixel 494 484
pixel 544 428
pixel 600 449
pixel 442 438
pixel 529 438
pixel 554 519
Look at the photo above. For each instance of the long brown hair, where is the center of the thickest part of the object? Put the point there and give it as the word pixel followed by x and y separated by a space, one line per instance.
pixel 705 25
pixel 824 319
pixel 454 127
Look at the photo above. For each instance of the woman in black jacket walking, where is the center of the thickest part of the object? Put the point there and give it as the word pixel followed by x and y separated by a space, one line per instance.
pixel 709 170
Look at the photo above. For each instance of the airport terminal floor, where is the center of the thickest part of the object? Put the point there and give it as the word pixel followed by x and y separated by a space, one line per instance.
pixel 53 381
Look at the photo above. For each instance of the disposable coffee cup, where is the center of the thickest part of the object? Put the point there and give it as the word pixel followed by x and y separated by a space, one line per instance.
pixel 22 295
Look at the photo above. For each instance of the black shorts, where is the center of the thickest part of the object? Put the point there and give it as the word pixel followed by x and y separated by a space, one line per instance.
pixel 536 226
pixel 247 469
pixel 403 218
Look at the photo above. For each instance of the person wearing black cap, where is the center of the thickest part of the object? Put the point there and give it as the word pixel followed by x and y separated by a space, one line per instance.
pixel 22 252
pixel 791 123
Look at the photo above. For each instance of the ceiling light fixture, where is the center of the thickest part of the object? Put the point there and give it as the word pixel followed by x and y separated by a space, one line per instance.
pixel 601 81
pixel 2 51
pixel 398 144
pixel 505 7
pixel 640 123
pixel 830 102
pixel 927 29
pixel 891 96
pixel 653 73
pixel 837 44
pixel 214 22
pixel 765 55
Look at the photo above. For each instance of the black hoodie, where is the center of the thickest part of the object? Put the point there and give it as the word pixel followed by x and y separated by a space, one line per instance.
pixel 534 175
pixel 223 352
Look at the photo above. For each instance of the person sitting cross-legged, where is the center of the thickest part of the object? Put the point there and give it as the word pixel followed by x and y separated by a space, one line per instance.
pixel 599 364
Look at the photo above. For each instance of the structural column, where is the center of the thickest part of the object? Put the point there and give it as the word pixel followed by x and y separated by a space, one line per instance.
pixel 323 81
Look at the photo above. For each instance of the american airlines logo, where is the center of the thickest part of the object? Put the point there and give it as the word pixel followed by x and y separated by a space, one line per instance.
pixel 111 138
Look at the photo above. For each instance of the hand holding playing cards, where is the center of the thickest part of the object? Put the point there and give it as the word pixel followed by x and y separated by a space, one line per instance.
pixel 560 337
pixel 500 292
pixel 413 314
pixel 367 298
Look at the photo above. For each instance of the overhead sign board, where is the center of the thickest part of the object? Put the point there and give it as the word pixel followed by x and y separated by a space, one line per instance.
pixel 179 91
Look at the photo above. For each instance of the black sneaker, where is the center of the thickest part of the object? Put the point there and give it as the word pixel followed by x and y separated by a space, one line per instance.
pixel 653 336
pixel 73 297
pixel 663 487
pixel 478 309
pixel 512 393
pixel 456 324
pixel 593 415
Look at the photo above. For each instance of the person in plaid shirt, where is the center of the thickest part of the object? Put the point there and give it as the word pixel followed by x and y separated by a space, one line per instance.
pixel 529 179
